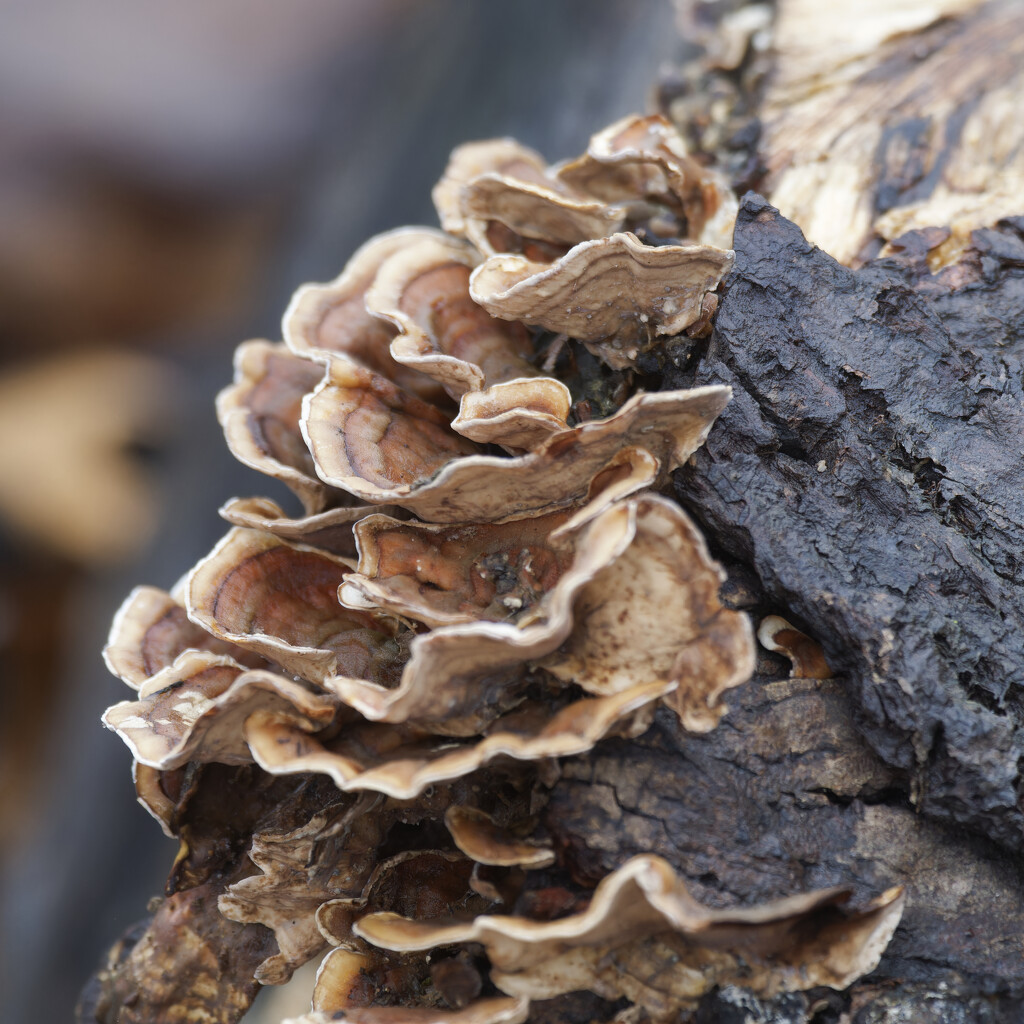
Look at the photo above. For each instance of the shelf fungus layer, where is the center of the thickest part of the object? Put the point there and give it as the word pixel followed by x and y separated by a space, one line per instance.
pixel 645 158
pixel 403 761
pixel 627 598
pixel 151 629
pixel 259 413
pixel 396 451
pixel 325 319
pixel 615 291
pixel 472 160
pixel 422 289
pixel 330 530
pixel 195 710
pixel 643 937
pixel 503 198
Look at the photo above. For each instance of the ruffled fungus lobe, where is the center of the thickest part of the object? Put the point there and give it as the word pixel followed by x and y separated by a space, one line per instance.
pixel 645 158
pixel 608 290
pixel 806 654
pixel 404 762
pixel 654 613
pixel 457 671
pixel 444 575
pixel 626 597
pixel 330 530
pixel 517 414
pixel 480 839
pixel 333 318
pixel 467 162
pixel 644 937
pixel 418 883
pixel 150 630
pixel 544 210
pixel 423 290
pixel 630 170
pixel 609 287
pixel 371 438
pixel 149 792
pixel 393 673
pixel 195 710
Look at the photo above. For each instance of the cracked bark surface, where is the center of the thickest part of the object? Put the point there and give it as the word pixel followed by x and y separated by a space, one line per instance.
pixel 870 469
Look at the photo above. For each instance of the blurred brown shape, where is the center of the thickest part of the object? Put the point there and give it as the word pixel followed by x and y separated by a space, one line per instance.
pixel 117 260
pixel 67 481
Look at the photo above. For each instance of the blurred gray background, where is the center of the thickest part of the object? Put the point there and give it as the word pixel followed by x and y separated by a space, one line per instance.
pixel 169 173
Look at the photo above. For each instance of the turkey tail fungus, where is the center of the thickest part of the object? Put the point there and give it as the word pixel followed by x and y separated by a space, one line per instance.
pixel 486 726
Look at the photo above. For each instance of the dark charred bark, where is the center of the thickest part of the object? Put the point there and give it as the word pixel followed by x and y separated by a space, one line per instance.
pixel 870 469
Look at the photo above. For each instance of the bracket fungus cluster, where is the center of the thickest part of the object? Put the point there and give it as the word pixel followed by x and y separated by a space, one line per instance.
pixel 350 718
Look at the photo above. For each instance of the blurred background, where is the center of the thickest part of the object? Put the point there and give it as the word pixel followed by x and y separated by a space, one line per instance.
pixel 169 173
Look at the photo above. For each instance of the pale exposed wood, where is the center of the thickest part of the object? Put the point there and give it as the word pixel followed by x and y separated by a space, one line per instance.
pixel 884 117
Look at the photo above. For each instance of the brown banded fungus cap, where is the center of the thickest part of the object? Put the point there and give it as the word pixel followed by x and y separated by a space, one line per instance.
pixel 564 256
pixel 444 575
pixel 633 169
pixel 260 417
pixel 333 318
pixel 194 711
pixel 546 210
pixel 423 290
pixel 482 580
pixel 610 292
pixel 472 160
pixel 485 842
pixel 279 600
pixel 330 530
pixel 625 599
pixel 805 653
pixel 403 761
pixel 620 601
pixel 501 197
pixel 644 158
pixel 151 629
pixel 418 883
